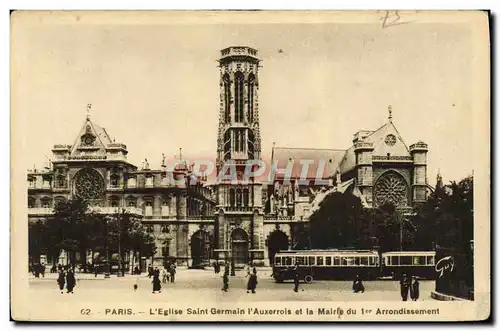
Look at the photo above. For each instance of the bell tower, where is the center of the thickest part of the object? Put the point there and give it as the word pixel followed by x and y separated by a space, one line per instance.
pixel 239 135
pixel 240 218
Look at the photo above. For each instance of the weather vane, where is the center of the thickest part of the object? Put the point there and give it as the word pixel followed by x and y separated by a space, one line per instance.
pixel 89 108
pixel 390 113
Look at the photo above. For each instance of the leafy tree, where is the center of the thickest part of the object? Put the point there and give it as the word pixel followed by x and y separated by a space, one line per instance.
pixel 337 221
pixel 446 219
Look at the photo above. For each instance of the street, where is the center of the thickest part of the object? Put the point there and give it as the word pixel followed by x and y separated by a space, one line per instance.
pixel 196 285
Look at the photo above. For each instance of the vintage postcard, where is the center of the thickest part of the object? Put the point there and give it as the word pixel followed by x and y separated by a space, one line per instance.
pixel 250 166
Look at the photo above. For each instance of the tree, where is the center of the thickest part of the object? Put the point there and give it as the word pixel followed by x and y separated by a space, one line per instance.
pixel 446 218
pixel 336 223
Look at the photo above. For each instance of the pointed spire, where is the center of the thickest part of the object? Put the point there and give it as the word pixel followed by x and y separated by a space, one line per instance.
pixel 89 108
pixel 163 160
pixel 180 154
pixel 390 113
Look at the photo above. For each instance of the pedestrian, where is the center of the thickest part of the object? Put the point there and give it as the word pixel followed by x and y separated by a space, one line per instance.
pixel 252 281
pixel 96 270
pixel 172 272
pixel 296 277
pixel 414 289
pixel 357 285
pixel 225 280
pixel 136 271
pixel 164 276
pixel 156 272
pixel 70 281
pixel 405 286
pixel 156 283
pixel 37 270
pixel 150 271
pixel 61 280
pixel 42 270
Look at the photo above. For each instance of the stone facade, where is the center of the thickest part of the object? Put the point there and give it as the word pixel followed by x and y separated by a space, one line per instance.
pixel 232 220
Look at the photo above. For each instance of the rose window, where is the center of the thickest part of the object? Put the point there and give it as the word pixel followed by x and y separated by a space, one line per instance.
pixel 89 184
pixel 391 188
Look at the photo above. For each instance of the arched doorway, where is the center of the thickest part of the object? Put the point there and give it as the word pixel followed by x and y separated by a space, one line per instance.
pixel 239 246
pixel 201 246
pixel 276 241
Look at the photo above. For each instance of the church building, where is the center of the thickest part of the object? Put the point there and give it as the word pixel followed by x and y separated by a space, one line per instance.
pixel 231 220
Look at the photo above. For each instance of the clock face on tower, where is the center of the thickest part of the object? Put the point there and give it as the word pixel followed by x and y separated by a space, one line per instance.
pixel 88 139
pixel 390 140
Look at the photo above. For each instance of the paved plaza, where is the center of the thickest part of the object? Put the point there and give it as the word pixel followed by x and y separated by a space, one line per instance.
pixel 195 285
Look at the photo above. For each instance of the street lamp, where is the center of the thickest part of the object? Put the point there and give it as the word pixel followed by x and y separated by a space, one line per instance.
pixel 106 272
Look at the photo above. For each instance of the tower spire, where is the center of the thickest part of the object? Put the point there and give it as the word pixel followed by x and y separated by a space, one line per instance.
pixel 390 113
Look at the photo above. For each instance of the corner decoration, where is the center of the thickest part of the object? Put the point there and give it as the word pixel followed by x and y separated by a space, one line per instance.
pixel 391 188
pixel 89 184
pixel 88 138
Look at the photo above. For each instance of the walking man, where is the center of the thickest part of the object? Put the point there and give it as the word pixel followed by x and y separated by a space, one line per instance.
pixel 70 281
pixel 405 286
pixel 414 289
pixel 225 280
pixel 252 281
pixel 296 277
pixel 172 272
pixel 61 280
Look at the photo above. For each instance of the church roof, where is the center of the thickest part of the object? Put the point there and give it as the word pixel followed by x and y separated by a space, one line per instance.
pixel 380 148
pixel 102 138
pixel 326 161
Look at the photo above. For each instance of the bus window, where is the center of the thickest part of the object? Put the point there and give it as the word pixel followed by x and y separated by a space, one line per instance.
pixel 328 260
pixel 419 260
pixel 347 260
pixel 288 260
pixel 299 260
pixel 320 260
pixel 336 260
pixel 363 261
pixel 277 260
pixel 312 260
pixel 405 260
pixel 430 260
pixel 356 261
pixel 394 260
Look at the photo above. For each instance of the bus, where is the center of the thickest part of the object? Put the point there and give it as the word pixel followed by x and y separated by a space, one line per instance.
pixel 326 264
pixel 421 264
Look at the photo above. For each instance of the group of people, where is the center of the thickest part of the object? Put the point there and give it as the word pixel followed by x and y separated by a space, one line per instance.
pixel 68 279
pixel 168 275
pixel 251 273
pixel 410 285
pixel 37 269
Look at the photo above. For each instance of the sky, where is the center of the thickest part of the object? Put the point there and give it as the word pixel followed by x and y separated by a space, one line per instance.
pixel 153 82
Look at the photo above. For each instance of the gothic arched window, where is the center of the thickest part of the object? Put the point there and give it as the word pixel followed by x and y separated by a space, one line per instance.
pixel 227 98
pixel 250 142
pixel 114 180
pixel 239 83
pixel 61 181
pixel 238 198
pixel 227 145
pixel 251 86
pixel 245 198
pixel 391 188
pixel 31 202
pixel 231 198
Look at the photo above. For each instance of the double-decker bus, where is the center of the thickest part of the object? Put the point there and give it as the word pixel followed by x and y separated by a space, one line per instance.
pixel 326 264
pixel 421 264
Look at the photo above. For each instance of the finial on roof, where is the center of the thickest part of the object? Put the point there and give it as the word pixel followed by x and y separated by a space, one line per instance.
pixel 390 113
pixel 163 160
pixel 180 154
pixel 89 108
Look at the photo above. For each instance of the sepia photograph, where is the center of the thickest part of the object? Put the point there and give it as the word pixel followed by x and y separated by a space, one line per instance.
pixel 250 166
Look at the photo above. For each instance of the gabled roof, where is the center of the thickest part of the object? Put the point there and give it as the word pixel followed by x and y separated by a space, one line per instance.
pixel 324 161
pixel 102 138
pixel 380 148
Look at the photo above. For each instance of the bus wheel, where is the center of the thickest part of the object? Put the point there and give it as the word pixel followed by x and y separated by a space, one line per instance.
pixel 308 279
